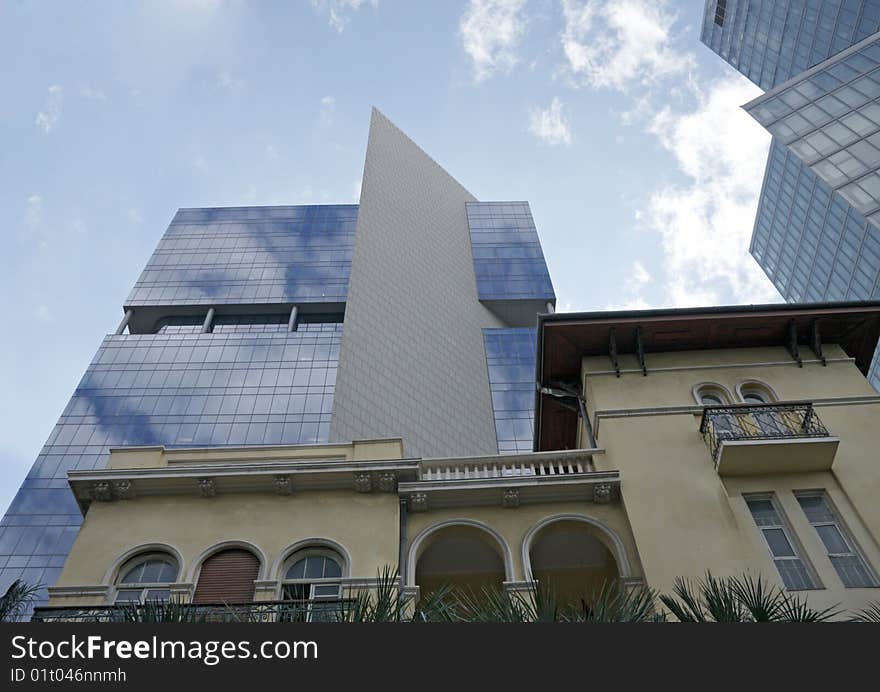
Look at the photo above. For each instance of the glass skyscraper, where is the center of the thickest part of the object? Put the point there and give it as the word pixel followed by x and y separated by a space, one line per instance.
pixel 409 315
pixel 815 232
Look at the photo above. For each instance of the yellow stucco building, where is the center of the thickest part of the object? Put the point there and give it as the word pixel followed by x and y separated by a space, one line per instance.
pixel 668 443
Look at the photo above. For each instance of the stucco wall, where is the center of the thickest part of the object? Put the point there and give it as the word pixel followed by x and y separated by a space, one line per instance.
pixel 687 519
pixel 366 525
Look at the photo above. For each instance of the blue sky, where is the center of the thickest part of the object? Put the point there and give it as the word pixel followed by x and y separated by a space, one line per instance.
pixel 620 128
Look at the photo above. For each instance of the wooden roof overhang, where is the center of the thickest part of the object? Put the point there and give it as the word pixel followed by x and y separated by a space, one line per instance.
pixel 564 339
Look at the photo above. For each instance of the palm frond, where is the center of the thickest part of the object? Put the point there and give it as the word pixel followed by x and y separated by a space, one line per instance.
pixel 764 603
pixel 685 605
pixel 869 614
pixel 490 604
pixel 613 602
pixel 157 611
pixel 17 600
pixel 794 609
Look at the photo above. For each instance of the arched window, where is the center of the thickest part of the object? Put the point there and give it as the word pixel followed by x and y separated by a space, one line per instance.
pixel 768 421
pixel 711 394
pixel 147 577
pixel 755 392
pixel 311 579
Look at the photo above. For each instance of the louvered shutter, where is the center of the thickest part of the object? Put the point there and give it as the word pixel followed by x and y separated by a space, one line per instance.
pixel 228 577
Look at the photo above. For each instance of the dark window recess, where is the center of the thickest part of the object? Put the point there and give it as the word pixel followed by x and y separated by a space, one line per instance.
pixel 720 11
pixel 251 323
pixel 184 324
pixel 227 577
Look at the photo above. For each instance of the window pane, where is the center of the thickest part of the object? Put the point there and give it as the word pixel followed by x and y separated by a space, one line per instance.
pixel 764 512
pixel 332 568
pixel 852 571
pixel 133 576
pixel 832 539
pixel 327 590
pixel 151 571
pixel 128 596
pixel 794 574
pixel 314 567
pixel 816 508
pixel 778 542
pixel 298 569
pixel 158 595
pixel 167 573
pixel 295 592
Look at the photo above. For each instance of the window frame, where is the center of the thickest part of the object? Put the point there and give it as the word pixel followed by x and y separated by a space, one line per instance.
pixel 313 583
pixel 143 587
pixel 843 530
pixel 788 531
pixel 762 389
pixel 719 391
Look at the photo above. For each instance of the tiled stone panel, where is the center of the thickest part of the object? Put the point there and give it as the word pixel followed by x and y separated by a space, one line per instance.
pixel 412 362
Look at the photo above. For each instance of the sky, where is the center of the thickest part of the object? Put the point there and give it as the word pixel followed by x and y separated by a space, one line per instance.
pixel 619 127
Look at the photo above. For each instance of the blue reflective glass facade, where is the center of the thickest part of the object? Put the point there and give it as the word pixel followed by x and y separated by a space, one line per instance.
pixel 830 119
pixel 174 390
pixel 812 243
pixel 771 41
pixel 510 355
pixel 250 381
pixel 246 255
pixel 508 260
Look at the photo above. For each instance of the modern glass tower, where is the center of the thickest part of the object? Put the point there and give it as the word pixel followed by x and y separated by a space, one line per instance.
pixel 816 229
pixel 409 315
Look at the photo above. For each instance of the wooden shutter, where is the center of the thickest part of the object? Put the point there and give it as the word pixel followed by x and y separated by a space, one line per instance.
pixel 228 577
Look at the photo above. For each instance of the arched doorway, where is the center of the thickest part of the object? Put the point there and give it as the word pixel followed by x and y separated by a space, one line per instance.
pixel 568 555
pixel 465 555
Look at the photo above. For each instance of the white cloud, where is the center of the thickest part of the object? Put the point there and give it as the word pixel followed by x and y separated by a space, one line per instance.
pixel 328 108
pixel 632 290
pixel 616 44
pixel 134 215
pixel 272 152
pixel 356 188
pixel 705 224
pixel 93 94
pixel 226 80
pixel 550 124
pixel 339 11
pixel 640 275
pixel 47 119
pixel 490 33
pixel 43 314
pixel 34 211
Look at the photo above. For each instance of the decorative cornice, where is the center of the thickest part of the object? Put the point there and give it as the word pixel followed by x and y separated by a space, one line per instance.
pixel 88 590
pixel 207 487
pixel 602 493
pixel 282 485
pixel 363 482
pixel 418 502
pixel 123 489
pixel 388 482
pixel 696 409
pixel 510 498
pixel 101 491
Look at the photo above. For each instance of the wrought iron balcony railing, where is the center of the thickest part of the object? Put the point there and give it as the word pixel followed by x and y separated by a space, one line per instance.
pixel 759 422
pixel 175 611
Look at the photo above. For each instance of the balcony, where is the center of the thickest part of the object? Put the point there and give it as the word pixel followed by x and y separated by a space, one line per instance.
pixel 173 611
pixel 767 438
pixel 510 480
